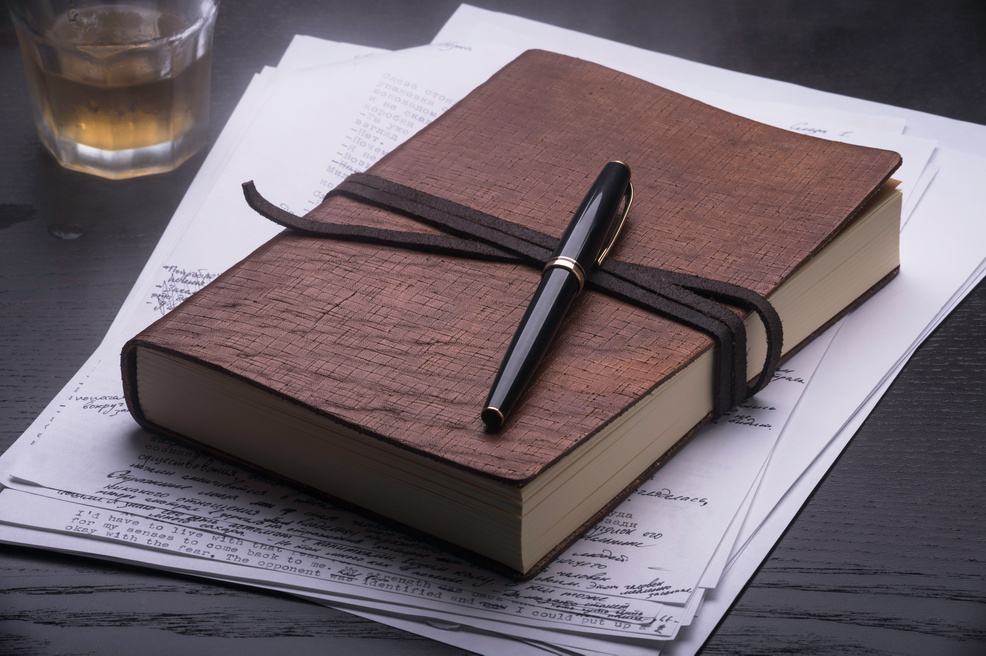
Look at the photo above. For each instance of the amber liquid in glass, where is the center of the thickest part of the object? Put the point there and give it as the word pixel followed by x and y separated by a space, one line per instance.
pixel 128 98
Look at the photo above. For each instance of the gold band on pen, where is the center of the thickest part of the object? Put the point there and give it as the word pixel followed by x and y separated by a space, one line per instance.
pixel 568 264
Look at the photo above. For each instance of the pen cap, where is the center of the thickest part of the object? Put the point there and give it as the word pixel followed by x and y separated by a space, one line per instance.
pixel 594 225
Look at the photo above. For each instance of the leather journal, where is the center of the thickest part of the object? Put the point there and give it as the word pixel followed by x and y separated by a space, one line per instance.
pixel 352 353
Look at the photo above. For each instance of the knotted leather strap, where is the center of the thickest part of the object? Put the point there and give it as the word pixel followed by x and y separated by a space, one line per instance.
pixel 690 300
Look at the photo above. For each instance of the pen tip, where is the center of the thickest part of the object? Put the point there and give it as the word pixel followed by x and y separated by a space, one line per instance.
pixel 492 417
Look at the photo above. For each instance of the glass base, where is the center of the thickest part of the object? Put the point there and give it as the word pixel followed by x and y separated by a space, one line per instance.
pixel 123 164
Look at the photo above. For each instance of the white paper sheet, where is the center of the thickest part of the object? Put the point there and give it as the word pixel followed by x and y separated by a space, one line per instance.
pixel 130 472
pixel 164 285
pixel 924 288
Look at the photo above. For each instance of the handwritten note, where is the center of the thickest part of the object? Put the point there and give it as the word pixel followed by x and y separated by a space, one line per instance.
pixel 91 472
pixel 178 285
pixel 150 492
pixel 147 500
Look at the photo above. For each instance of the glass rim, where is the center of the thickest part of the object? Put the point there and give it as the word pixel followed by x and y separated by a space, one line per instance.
pixel 29 28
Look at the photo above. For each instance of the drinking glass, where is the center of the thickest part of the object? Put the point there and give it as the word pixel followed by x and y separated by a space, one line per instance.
pixel 118 89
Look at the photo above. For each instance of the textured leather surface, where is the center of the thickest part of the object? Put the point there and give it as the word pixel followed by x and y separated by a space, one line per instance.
pixel 685 299
pixel 403 345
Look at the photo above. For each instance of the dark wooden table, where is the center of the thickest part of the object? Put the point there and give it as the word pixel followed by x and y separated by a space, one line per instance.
pixel 888 554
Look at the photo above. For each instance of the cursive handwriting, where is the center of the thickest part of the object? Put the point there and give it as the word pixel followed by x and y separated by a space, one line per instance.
pixel 177 286
pixel 108 405
pixel 668 495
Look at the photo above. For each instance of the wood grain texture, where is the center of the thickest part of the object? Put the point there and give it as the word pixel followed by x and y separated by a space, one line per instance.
pixel 885 558
pixel 56 604
pixel 888 555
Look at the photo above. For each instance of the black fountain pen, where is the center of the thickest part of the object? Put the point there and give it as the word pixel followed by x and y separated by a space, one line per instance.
pixel 586 242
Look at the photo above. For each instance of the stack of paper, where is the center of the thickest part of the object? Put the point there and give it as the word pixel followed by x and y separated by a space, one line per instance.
pixel 657 573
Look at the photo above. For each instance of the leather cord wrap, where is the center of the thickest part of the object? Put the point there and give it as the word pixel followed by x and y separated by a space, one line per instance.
pixel 689 300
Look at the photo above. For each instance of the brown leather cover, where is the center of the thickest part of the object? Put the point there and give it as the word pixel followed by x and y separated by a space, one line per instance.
pixel 403 345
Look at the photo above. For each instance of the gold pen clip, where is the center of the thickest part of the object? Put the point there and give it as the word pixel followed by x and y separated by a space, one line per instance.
pixel 627 200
